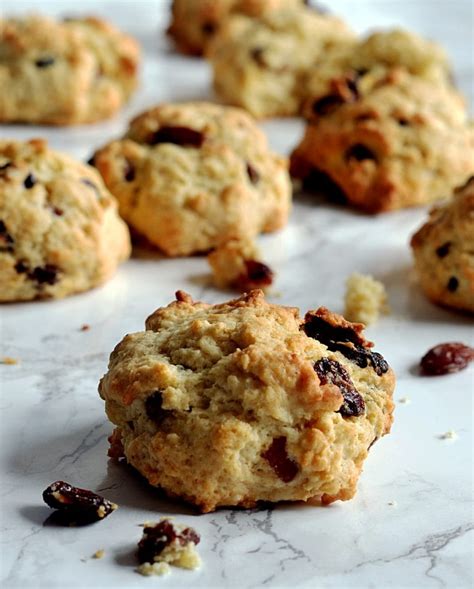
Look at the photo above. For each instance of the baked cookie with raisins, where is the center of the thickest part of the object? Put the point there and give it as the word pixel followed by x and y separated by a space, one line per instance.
pixel 262 64
pixel 60 232
pixel 190 176
pixel 195 22
pixel 66 72
pixel 444 251
pixel 385 140
pixel 244 401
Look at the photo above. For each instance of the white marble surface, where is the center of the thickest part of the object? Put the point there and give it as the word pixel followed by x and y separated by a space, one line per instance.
pixel 410 524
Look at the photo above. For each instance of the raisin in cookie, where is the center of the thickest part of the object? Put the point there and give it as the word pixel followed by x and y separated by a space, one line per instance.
pixel 190 176
pixel 240 402
pixel 262 64
pixel 64 73
pixel 444 251
pixel 387 140
pixel 60 232
pixel 195 22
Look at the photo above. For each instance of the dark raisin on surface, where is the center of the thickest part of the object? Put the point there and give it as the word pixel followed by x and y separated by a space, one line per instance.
pixel 91 161
pixel 47 274
pixel 403 122
pixel 330 371
pixel 77 506
pixel 44 62
pixel 446 358
pixel 29 181
pixel 57 211
pixel 257 55
pixel 256 275
pixel 346 341
pixel 276 455
pixel 21 267
pixel 443 250
pixel 453 284
pixel 6 240
pixel 154 407
pixel 319 181
pixel 360 153
pixel 252 173
pixel 209 28
pixel 327 104
pixel 183 136
pixel 129 171
pixel 156 538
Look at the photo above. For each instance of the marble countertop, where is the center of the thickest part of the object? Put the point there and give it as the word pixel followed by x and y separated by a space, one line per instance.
pixel 410 524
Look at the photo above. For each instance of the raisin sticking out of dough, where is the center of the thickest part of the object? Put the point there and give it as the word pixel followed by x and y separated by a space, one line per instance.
pixel 21 267
pixel 257 275
pixel 161 535
pixel 319 181
pixel 209 28
pixel 77 506
pixel 330 371
pixel 47 274
pixel 443 250
pixel 91 161
pixel 129 171
pixel 29 181
pixel 327 104
pixel 252 173
pixel 6 240
pixel 360 153
pixel 276 455
pixel 43 62
pixel 453 284
pixel 446 358
pixel 183 136
pixel 154 407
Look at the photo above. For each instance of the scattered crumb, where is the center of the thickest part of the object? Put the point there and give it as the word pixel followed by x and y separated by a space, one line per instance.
pixel 449 435
pixel 404 400
pixel 99 554
pixel 9 360
pixel 365 299
pixel 157 568
pixel 85 327
pixel 392 503
pixel 235 264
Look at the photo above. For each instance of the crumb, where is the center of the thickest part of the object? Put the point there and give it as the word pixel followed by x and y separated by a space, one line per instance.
pixel 404 400
pixel 235 265
pixel 9 360
pixel 85 327
pixel 365 299
pixel 157 568
pixel 98 554
pixel 392 503
pixel 449 435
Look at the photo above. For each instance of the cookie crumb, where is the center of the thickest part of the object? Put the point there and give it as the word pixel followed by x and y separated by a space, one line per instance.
pixel 9 360
pixel 365 300
pixel 449 435
pixel 85 327
pixel 98 554
pixel 404 400
pixel 157 568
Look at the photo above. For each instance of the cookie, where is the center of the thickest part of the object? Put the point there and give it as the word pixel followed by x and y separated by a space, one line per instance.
pixel 365 299
pixel 376 55
pixel 191 176
pixel 60 232
pixel 64 72
pixel 443 249
pixel 386 140
pixel 195 22
pixel 241 402
pixel 236 265
pixel 262 64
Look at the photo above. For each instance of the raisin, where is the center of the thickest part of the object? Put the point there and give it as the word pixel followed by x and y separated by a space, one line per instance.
pixel 330 371
pixel 44 62
pixel 21 267
pixel 6 240
pixel 91 161
pixel 208 28
pixel 257 275
pixel 252 173
pixel 57 211
pixel 443 250
pixel 129 172
pixel 327 104
pixel 322 182
pixel 453 284
pixel 77 506
pixel 47 274
pixel 403 122
pixel 346 341
pixel 178 135
pixel 154 407
pixel 157 537
pixel 446 358
pixel 277 456
pixel 360 152
pixel 29 181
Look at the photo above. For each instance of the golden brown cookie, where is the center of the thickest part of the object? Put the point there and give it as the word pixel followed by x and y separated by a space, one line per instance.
pixel 240 402
pixel 190 176
pixel 64 72
pixel 386 140
pixel 444 251
pixel 60 232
